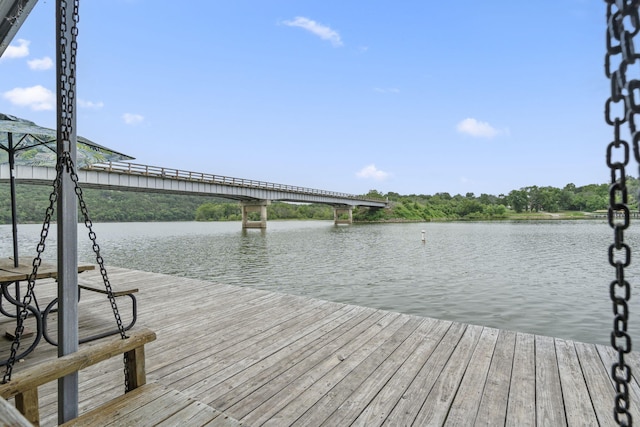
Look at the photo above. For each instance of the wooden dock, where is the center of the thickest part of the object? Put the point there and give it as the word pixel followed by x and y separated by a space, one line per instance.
pixel 273 359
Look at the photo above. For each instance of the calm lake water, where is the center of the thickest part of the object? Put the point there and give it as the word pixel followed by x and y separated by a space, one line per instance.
pixel 547 277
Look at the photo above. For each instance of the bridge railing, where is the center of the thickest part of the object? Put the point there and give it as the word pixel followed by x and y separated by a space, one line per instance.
pixel 168 173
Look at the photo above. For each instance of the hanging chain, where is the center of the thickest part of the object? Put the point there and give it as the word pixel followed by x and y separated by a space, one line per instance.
pixel 68 75
pixel 37 261
pixel 103 271
pixel 623 23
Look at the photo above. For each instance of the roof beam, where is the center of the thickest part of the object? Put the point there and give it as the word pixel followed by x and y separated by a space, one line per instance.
pixel 13 13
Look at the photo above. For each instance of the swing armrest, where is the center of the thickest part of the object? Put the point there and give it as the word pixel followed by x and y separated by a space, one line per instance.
pixel 35 376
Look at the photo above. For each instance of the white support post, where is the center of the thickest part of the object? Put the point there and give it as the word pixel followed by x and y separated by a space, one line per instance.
pixel 254 206
pixel 338 211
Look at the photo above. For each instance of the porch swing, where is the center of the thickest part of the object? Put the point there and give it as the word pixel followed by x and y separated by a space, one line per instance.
pixel 25 388
pixel 65 163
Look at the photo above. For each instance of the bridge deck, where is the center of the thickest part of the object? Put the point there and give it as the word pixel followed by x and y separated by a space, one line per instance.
pixel 134 177
pixel 273 359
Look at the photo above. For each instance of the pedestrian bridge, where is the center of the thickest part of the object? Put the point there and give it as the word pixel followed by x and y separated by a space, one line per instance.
pixel 254 196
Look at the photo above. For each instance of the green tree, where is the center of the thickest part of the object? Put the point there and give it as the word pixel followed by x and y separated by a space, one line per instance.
pixel 519 200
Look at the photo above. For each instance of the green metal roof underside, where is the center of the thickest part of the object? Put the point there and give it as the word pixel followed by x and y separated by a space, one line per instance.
pixel 12 14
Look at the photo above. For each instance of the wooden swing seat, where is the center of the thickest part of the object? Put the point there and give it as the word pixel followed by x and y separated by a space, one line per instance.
pixel 147 404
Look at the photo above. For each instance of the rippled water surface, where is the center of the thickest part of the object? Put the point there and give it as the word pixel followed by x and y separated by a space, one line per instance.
pixel 548 277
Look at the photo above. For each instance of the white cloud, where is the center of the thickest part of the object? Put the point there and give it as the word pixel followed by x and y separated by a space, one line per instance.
pixel 90 104
pixel 372 172
pixel 480 129
pixel 324 32
pixel 40 64
pixel 132 119
pixel 19 51
pixel 36 97
pixel 386 90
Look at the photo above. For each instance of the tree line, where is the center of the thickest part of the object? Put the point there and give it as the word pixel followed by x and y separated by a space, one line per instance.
pixel 123 206
pixel 531 199
pixel 103 205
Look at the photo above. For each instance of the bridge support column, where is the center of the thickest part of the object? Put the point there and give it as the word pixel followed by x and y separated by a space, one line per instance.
pixel 338 211
pixel 254 206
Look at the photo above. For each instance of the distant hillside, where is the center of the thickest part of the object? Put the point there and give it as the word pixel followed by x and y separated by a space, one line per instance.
pixel 104 205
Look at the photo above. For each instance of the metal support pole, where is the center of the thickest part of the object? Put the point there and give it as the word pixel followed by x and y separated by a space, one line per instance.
pixel 67 218
pixel 14 210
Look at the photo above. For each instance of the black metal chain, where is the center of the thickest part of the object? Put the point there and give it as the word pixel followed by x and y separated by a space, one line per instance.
pixel 68 78
pixel 623 23
pixel 96 249
pixel 103 271
pixel 37 261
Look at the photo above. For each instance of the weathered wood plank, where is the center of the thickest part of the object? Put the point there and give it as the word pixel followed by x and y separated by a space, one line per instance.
pixel 336 387
pixel 240 386
pixel 548 388
pixel 407 408
pixel 121 406
pixel 302 369
pixel 196 413
pixel 150 413
pixel 596 375
pixel 199 335
pixel 209 363
pixel 294 393
pixel 466 402
pixel 577 402
pixel 223 422
pixel 135 368
pixel 436 407
pixel 521 407
pixel 493 404
pixel 371 403
pixel 285 338
pixel 153 405
pixel 27 404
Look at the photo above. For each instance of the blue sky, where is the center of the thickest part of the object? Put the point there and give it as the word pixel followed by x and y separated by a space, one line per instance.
pixel 414 97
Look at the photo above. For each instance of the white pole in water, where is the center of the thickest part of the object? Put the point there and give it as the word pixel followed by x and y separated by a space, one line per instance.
pixel 424 239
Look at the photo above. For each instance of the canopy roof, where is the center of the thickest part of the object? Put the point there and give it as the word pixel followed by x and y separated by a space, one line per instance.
pixel 34 145
pixel 12 14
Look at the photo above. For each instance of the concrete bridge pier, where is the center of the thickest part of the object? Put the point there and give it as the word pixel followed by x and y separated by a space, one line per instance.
pixel 338 211
pixel 254 206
